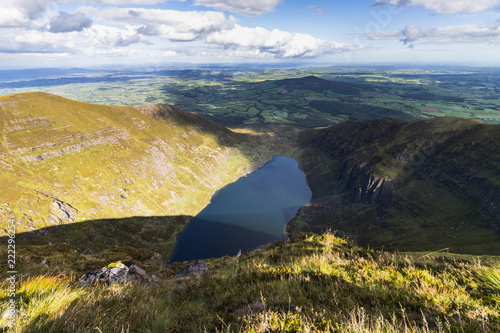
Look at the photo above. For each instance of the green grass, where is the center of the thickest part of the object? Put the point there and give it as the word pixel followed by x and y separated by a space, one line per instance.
pixel 312 283
pixel 437 202
pixel 490 276
pixel 113 162
pixel 228 96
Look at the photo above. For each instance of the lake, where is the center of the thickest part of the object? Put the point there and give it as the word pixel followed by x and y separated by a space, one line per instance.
pixel 246 214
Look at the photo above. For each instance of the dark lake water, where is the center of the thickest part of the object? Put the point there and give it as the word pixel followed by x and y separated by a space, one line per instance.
pixel 246 214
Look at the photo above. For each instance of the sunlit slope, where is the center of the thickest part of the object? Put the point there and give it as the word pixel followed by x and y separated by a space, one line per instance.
pixel 311 283
pixel 423 185
pixel 63 161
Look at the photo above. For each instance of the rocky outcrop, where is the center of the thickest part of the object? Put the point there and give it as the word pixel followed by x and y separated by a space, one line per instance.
pixel 156 260
pixel 113 136
pixel 120 272
pixel 61 213
pixel 362 185
pixel 195 269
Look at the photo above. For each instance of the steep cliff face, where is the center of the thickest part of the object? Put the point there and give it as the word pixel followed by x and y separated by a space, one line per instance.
pixel 410 185
pixel 63 161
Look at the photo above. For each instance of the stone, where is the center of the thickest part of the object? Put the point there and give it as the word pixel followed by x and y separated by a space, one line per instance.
pixel 250 309
pixel 119 272
pixel 138 270
pixel 95 276
pixel 61 213
pixel 195 269
pixel 156 260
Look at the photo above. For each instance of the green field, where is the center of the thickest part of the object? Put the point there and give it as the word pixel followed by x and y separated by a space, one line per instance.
pixel 251 97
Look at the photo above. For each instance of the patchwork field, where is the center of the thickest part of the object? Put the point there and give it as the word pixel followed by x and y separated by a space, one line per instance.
pixel 304 97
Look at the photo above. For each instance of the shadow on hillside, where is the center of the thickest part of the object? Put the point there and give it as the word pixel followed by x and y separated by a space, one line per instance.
pixel 157 233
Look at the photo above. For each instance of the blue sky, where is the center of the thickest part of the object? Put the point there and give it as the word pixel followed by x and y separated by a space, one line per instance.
pixel 60 33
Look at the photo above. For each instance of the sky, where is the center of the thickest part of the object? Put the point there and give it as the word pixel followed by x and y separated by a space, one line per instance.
pixel 74 33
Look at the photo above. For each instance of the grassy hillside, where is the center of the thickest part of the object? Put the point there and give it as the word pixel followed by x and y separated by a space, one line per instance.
pixel 410 186
pixel 63 161
pixel 312 283
pixel 156 233
pixel 304 102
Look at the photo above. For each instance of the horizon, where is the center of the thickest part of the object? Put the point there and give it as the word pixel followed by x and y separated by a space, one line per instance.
pixel 103 33
pixel 252 65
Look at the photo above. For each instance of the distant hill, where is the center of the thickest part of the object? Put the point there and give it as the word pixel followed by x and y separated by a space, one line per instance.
pixel 63 161
pixel 305 102
pixel 315 83
pixel 345 93
pixel 405 185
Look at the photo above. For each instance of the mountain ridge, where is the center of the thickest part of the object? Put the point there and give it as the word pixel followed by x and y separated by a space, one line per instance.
pixel 66 161
pixel 388 182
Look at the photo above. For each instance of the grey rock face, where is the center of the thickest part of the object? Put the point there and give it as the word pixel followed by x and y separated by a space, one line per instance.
pixel 116 273
pixel 61 213
pixel 156 260
pixel 195 269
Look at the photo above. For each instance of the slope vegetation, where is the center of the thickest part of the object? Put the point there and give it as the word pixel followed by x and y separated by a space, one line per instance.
pixel 430 184
pixel 63 161
pixel 312 283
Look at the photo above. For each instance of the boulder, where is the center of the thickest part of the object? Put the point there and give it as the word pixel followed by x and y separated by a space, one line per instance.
pixel 156 260
pixel 119 272
pixel 195 269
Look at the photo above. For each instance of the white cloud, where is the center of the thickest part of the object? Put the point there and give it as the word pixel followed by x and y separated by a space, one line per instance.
pixel 317 10
pixel 167 24
pixel 117 31
pixel 125 2
pixel 67 22
pixel 17 13
pixel 246 7
pixel 21 13
pixel 470 33
pixel 216 29
pixel 447 6
pixel 33 41
pixel 94 40
pixel 104 36
pixel 280 43
pixel 170 54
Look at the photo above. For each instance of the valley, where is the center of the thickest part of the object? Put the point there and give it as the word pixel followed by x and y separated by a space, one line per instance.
pixel 270 166
pixel 92 184
pixel 384 183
